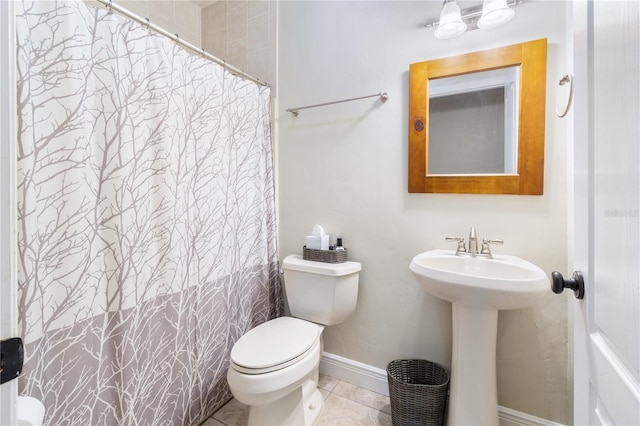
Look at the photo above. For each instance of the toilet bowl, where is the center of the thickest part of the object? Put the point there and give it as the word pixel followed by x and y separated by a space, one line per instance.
pixel 281 387
pixel 29 411
pixel 274 366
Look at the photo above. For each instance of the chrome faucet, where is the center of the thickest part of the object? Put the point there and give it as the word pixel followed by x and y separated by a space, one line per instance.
pixel 461 250
pixel 473 242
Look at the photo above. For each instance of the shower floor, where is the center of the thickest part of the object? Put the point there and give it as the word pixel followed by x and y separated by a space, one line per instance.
pixel 344 405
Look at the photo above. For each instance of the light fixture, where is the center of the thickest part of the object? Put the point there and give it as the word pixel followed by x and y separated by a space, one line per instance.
pixel 450 24
pixel 494 14
pixel 489 14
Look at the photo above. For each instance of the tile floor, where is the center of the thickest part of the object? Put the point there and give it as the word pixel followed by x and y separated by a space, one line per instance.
pixel 344 405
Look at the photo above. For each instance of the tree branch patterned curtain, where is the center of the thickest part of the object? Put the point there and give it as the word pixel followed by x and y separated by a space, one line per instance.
pixel 146 217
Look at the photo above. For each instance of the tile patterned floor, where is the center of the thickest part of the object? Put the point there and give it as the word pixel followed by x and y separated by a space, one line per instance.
pixel 344 405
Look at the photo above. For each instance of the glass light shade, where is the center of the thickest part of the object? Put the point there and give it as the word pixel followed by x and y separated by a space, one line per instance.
pixel 494 14
pixel 450 24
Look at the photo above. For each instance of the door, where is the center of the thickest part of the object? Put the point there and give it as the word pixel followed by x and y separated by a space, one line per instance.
pixel 8 284
pixel 607 210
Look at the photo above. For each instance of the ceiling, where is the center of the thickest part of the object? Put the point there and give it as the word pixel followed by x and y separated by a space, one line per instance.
pixel 203 3
pixel 432 9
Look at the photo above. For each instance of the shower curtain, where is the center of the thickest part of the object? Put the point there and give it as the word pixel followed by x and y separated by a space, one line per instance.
pixel 146 218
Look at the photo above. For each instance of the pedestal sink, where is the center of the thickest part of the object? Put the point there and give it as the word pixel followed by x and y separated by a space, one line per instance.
pixel 477 287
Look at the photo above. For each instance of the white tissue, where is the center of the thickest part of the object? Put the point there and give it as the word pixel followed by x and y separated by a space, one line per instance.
pixel 318 240
pixel 30 411
pixel 318 231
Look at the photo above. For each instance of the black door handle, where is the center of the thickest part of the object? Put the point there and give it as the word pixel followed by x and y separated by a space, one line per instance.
pixel 11 359
pixel 576 283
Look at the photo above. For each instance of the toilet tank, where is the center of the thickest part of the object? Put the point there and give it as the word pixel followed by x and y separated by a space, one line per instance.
pixel 323 293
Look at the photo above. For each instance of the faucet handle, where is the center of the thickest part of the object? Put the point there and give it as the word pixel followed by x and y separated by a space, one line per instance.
pixel 461 247
pixel 485 245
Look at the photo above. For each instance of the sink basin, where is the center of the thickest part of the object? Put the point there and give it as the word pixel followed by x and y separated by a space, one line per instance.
pixel 504 282
pixel 477 287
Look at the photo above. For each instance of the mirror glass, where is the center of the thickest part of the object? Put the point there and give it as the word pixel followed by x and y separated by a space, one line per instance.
pixel 476 121
pixel 473 123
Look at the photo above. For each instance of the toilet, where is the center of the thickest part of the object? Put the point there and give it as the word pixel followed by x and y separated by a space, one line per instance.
pixel 274 366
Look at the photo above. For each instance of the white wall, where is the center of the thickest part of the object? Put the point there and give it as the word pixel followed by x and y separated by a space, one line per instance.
pixel 345 167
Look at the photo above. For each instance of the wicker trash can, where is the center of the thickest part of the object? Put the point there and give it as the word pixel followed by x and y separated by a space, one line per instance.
pixel 418 392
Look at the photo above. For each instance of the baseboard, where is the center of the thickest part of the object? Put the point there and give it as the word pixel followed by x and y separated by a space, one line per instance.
pixel 509 417
pixel 375 379
pixel 354 372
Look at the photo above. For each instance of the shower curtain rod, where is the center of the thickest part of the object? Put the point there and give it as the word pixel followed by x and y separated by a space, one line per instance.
pixel 145 21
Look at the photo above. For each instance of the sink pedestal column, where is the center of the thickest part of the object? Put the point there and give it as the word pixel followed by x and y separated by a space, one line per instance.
pixel 474 397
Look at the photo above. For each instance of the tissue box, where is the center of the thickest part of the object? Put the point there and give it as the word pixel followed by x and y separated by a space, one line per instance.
pixel 317 242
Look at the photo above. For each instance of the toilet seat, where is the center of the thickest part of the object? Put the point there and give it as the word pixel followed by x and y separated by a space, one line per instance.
pixel 274 345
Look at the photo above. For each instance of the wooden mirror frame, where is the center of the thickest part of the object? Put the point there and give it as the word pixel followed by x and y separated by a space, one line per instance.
pixel 532 59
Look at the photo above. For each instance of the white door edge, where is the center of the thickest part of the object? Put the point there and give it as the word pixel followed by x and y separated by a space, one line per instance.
pixel 8 283
pixel 581 397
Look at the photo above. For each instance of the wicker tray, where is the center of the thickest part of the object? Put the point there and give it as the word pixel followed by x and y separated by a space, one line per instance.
pixel 418 392
pixel 326 256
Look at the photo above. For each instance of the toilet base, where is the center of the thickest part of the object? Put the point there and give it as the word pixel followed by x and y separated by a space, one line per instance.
pixel 293 409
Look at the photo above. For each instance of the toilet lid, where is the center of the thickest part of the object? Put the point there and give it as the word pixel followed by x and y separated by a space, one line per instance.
pixel 274 342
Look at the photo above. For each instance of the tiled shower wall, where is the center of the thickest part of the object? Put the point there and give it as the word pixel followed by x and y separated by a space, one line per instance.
pixel 243 33
pixel 179 17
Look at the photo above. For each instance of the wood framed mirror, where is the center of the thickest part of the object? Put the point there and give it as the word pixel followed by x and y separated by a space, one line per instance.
pixel 506 77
